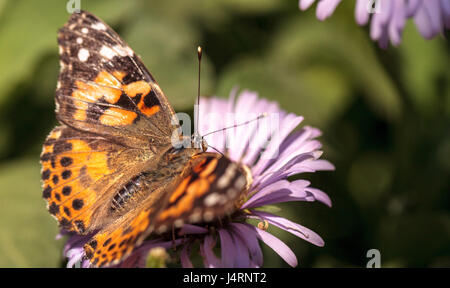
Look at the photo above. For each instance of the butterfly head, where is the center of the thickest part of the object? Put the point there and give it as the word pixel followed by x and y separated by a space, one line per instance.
pixel 199 142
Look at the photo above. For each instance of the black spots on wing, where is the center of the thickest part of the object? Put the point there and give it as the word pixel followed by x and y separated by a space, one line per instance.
pixel 66 190
pixel 128 103
pixel 58 197
pixel 67 211
pixel 122 243
pixel 53 208
pixel 47 193
pixel 95 110
pixel 111 246
pixel 66 161
pixel 45 174
pixel 107 242
pixel 77 204
pixel 45 157
pixel 66 174
pixel 151 99
pixel 55 179
pixel 65 223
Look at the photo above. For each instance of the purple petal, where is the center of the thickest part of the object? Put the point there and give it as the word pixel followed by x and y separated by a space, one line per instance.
pixel 434 11
pixel 277 245
pixel 228 249
pixel 326 8
pixel 287 123
pixel 361 14
pixel 291 227
pixel 242 259
pixel 184 257
pixel 423 22
pixel 248 236
pixel 305 4
pixel 412 6
pixel 445 4
pixel 282 187
pixel 192 229
pixel 320 196
pixel 210 259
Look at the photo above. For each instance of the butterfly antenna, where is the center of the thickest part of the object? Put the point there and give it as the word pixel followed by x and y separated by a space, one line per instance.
pixel 197 109
pixel 237 125
pixel 217 150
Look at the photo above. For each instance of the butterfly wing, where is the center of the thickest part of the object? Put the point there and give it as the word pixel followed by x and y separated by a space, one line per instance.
pixel 206 190
pixel 210 190
pixel 81 172
pixel 104 88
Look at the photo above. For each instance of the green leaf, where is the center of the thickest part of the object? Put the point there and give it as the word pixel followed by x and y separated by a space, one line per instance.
pixel 28 231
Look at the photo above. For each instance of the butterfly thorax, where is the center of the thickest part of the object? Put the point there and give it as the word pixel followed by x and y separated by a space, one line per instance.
pixel 172 164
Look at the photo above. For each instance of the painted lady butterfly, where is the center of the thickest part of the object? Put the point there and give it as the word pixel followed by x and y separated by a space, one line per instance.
pixel 110 168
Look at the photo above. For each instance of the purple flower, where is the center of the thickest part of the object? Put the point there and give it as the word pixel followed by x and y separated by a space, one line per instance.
pixel 271 151
pixel 271 162
pixel 389 16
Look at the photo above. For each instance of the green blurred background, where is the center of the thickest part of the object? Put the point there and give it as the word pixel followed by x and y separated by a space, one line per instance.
pixel 384 116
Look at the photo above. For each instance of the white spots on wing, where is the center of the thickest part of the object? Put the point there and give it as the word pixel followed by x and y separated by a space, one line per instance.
pixel 240 182
pixel 225 179
pixel 123 51
pixel 62 66
pixel 129 51
pixel 61 50
pixel 79 40
pixel 83 54
pixel 208 216
pixel 98 26
pixel 107 52
pixel 215 198
pixel 58 85
pixel 231 192
pixel 161 229
pixel 196 216
pixel 178 223
pixel 84 30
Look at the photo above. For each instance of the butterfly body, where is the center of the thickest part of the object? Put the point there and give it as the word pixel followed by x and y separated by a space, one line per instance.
pixel 116 167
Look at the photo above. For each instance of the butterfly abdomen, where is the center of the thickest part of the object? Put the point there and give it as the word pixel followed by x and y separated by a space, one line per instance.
pixel 128 192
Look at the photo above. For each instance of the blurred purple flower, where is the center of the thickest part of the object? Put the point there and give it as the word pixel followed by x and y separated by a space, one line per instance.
pixel 389 16
pixel 270 163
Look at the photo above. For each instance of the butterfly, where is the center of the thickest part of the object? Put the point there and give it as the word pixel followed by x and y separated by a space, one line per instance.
pixel 111 167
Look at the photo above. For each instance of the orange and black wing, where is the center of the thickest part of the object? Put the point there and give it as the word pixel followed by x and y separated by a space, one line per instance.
pixel 81 173
pixel 104 88
pixel 209 189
